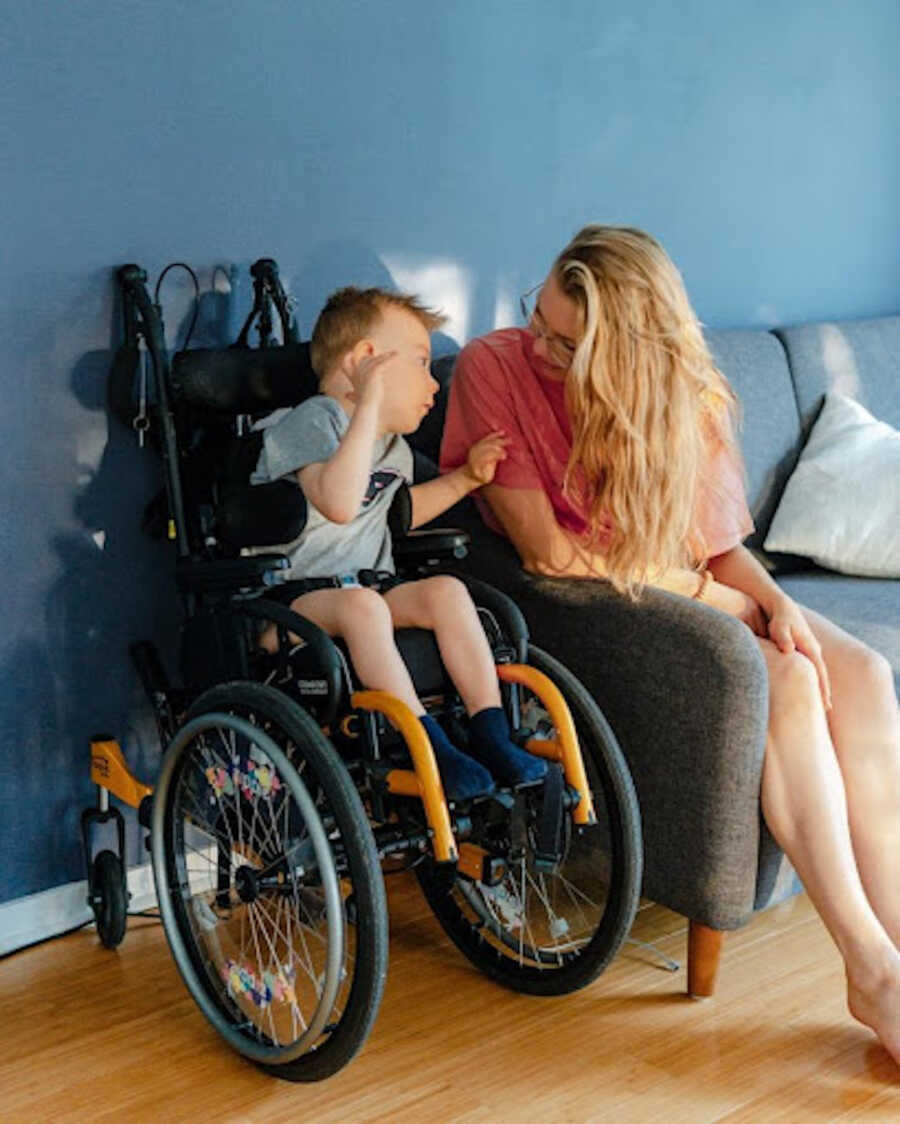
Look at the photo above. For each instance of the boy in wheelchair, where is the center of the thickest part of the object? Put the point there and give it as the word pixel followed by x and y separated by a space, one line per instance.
pixel 344 448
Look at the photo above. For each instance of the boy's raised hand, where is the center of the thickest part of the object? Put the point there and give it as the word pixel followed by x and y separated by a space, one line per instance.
pixel 366 376
pixel 484 456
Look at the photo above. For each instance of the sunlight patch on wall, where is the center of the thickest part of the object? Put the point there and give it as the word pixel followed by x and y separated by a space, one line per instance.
pixel 444 285
pixel 90 444
pixel 506 309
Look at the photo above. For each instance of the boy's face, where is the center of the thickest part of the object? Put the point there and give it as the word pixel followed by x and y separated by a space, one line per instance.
pixel 409 389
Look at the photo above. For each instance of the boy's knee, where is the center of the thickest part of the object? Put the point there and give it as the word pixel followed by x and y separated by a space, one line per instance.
pixel 362 608
pixel 445 590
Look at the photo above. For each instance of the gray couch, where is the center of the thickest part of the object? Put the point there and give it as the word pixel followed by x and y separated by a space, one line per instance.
pixel 683 686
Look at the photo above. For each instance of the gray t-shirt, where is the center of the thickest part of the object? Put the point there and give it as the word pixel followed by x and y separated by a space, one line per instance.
pixel 312 432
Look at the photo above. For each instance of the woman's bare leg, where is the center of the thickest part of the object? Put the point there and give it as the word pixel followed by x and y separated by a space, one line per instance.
pixel 805 807
pixel 443 604
pixel 865 729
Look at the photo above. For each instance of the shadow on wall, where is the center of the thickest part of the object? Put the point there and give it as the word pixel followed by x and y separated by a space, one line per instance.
pixel 116 587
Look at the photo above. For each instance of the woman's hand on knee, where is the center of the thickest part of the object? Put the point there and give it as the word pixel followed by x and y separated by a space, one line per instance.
pixel 789 629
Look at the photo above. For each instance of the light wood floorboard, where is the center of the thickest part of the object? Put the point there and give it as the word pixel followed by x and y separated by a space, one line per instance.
pixel 86 1034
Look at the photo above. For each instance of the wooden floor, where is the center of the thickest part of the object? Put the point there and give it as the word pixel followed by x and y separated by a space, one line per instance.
pixel 89 1035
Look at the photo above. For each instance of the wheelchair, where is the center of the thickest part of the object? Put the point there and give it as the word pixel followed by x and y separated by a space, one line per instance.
pixel 288 790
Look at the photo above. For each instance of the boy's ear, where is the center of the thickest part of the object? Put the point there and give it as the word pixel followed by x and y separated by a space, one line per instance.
pixel 361 350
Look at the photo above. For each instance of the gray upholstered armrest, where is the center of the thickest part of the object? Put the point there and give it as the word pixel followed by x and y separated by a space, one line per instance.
pixel 684 687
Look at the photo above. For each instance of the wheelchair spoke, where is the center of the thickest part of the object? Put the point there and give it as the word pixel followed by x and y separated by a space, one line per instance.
pixel 204 749
pixel 548 908
pixel 273 830
pixel 575 894
pixel 276 968
pixel 524 927
pixel 268 1006
pixel 304 961
pixel 201 824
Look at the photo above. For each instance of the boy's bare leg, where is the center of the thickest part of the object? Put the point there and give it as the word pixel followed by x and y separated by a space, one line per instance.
pixel 362 619
pixel 443 605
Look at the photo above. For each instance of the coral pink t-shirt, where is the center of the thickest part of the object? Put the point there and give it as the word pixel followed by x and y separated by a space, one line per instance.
pixel 499 383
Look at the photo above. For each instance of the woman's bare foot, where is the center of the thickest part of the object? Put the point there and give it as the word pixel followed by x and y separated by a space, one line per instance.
pixel 873 996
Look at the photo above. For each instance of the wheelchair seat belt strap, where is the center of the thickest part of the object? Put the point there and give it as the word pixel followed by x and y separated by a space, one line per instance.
pixel 548 849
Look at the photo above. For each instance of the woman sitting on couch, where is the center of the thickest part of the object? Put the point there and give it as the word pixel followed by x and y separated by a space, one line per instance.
pixel 621 464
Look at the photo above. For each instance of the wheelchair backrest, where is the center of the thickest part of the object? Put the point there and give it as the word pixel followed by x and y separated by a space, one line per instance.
pixel 202 414
pixel 240 380
pixel 218 393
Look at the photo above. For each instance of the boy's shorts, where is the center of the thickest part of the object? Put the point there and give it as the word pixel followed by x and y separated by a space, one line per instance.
pixel 379 580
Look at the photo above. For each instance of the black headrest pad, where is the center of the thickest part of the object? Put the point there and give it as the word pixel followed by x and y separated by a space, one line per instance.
pixel 243 380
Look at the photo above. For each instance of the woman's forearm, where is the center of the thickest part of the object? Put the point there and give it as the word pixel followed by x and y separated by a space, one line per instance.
pixel 739 569
pixel 546 548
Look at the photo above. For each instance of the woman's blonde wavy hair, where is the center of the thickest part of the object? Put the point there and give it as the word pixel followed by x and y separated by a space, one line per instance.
pixel 643 393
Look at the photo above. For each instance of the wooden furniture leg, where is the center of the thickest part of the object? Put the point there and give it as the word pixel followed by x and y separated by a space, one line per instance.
pixel 704 950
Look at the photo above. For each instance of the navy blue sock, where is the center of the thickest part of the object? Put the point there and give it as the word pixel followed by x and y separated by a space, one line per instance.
pixel 489 743
pixel 462 777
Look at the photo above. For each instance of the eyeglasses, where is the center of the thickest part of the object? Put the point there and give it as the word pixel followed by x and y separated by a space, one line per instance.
pixel 559 353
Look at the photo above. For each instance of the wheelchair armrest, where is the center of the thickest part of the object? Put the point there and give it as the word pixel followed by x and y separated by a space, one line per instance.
pixel 224 574
pixel 420 548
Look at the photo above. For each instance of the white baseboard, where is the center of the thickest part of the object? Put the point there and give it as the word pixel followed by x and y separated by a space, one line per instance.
pixel 51 912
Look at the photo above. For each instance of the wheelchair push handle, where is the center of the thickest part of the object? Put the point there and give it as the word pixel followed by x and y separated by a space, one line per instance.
pixel 265 269
pixel 143 318
pixel 132 275
pixel 268 291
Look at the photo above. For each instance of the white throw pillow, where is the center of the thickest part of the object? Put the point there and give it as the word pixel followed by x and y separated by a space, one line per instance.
pixel 841 506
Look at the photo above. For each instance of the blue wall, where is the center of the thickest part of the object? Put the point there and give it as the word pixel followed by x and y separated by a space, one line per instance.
pixel 448 146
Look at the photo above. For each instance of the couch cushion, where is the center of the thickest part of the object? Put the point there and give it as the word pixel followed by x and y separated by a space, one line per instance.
pixel 858 358
pixel 755 364
pixel 868 608
pixel 841 506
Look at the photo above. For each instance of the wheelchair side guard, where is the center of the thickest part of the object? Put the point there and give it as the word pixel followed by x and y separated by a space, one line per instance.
pixel 320 643
pixel 423 780
pixel 564 748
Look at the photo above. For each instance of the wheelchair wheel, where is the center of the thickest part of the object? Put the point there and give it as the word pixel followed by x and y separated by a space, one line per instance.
pixel 109 898
pixel 263 858
pixel 540 932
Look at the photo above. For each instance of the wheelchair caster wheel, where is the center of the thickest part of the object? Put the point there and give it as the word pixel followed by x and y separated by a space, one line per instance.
pixel 109 898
